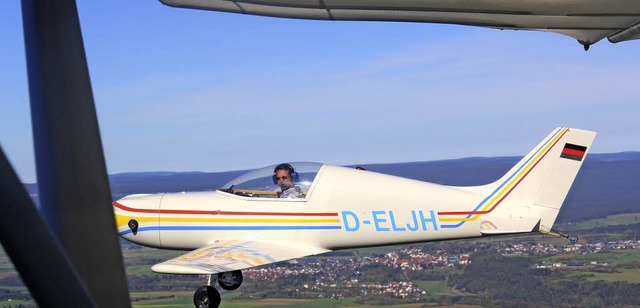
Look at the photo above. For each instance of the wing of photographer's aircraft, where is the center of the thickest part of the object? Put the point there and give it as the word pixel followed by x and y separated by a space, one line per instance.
pixel 588 21
pixel 225 256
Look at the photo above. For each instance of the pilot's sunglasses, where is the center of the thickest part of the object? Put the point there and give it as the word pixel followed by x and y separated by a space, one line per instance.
pixel 282 177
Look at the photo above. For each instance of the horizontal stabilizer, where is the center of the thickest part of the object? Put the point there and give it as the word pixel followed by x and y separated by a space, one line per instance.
pixel 225 256
pixel 508 225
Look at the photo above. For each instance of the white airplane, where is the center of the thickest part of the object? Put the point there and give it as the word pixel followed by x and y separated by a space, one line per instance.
pixel 245 223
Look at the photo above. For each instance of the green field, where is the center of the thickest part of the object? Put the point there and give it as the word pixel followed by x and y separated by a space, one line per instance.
pixel 433 287
pixel 624 219
pixel 613 257
pixel 16 304
pixel 612 220
pixel 624 265
pixel 629 275
pixel 184 300
pixel 287 303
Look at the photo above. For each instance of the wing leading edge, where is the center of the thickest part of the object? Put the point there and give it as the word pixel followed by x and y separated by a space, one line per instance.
pixel 225 256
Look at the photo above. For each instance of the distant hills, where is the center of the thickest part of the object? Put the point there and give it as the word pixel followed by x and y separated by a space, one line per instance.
pixel 607 184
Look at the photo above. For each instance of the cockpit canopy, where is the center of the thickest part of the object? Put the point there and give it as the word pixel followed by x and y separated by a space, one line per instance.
pixel 259 182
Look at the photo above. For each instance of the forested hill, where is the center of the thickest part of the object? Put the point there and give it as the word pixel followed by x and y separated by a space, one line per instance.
pixel 607 183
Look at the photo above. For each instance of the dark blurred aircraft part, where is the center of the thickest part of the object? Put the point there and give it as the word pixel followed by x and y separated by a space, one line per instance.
pixel 588 21
pixel 72 180
pixel 32 248
pixel 631 33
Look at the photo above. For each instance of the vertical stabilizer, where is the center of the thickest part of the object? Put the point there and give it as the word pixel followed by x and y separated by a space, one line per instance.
pixel 538 184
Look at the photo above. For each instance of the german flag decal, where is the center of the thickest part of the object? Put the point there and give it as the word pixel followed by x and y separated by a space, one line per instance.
pixel 573 151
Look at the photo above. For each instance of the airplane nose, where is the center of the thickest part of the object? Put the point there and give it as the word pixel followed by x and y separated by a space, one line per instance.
pixel 137 219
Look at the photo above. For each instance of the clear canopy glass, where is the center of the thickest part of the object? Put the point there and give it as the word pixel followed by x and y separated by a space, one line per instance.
pixel 260 182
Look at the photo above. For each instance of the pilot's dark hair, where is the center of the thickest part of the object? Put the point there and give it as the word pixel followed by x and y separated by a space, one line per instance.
pixel 287 167
pixel 292 172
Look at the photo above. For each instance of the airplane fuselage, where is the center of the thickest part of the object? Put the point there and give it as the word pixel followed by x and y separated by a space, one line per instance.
pixel 380 210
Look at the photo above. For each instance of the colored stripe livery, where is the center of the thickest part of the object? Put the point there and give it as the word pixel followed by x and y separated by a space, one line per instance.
pixel 177 220
pixel 486 206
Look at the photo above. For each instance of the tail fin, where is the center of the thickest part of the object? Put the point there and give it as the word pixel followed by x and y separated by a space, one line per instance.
pixel 536 187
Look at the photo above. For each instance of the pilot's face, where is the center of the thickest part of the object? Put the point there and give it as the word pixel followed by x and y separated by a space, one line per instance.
pixel 284 179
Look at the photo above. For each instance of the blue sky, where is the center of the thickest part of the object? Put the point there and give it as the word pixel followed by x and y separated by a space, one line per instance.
pixel 188 90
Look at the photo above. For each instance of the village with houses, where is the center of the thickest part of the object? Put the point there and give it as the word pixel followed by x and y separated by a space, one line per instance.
pixel 344 276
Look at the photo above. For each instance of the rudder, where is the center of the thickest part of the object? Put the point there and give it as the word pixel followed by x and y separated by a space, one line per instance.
pixel 573 150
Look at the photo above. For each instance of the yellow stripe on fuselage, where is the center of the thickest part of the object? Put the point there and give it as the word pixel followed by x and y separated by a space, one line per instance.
pixel 122 220
pixel 461 218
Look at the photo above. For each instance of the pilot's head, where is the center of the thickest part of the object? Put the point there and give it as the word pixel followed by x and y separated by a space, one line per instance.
pixel 283 176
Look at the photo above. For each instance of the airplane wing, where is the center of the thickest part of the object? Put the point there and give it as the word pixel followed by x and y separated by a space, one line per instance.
pixel 588 21
pixel 230 255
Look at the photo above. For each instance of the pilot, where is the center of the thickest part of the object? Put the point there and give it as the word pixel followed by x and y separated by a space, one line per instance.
pixel 284 175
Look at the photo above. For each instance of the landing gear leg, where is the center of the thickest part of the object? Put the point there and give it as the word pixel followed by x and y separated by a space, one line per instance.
pixel 207 296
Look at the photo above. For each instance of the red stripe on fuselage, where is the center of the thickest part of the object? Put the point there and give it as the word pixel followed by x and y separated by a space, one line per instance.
pixel 191 212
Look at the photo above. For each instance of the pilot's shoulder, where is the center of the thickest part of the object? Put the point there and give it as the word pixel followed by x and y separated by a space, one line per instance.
pixel 293 192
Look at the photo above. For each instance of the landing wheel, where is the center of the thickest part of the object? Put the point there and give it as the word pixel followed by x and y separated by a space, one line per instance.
pixel 230 280
pixel 573 239
pixel 207 297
